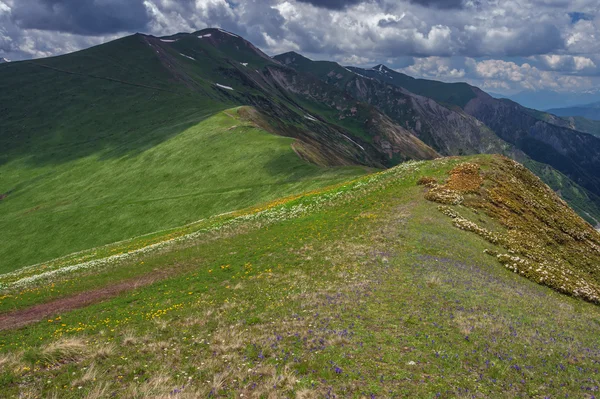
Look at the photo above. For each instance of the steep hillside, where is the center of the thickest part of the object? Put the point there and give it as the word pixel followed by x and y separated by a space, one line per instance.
pixel 341 131
pixel 445 93
pixel 363 289
pixel 575 154
pixel 583 124
pixel 543 137
pixel 450 132
pixel 133 136
pixel 217 165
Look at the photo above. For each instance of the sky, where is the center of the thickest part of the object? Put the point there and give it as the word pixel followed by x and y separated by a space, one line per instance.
pixel 502 46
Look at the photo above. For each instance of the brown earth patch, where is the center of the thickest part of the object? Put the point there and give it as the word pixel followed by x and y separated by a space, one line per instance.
pixel 23 317
pixel 465 177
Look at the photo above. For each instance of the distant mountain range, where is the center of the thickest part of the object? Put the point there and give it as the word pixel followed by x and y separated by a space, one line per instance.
pixel 548 99
pixel 589 111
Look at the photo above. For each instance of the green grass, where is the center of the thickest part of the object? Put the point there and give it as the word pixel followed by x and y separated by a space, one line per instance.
pixel 584 125
pixel 217 165
pixel 123 139
pixel 372 292
pixel 584 202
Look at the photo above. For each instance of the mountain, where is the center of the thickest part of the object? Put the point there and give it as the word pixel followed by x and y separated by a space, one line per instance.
pixel 448 131
pixel 186 217
pixel 457 121
pixel 496 95
pixel 583 124
pixel 589 111
pixel 428 270
pixel 547 99
pixel 138 104
pixel 541 136
pixel 96 141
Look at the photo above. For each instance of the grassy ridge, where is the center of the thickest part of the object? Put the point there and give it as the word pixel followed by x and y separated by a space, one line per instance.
pixel 217 165
pixel 365 290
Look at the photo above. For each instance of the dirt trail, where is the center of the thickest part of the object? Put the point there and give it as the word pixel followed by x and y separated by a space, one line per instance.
pixel 22 317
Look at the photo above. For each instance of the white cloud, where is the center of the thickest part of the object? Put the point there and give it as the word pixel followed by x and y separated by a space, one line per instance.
pixel 434 67
pixel 511 75
pixel 567 62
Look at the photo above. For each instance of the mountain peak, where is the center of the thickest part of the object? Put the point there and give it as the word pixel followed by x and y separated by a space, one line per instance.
pixel 382 68
pixel 291 57
pixel 216 31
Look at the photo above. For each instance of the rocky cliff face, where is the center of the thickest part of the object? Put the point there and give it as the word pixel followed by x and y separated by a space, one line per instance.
pixel 542 136
pixel 448 131
pixel 366 127
pixel 574 153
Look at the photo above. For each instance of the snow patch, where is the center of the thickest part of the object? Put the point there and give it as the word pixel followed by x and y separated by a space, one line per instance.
pixel 223 86
pixel 310 118
pixel 229 33
pixel 349 139
pixel 168 40
pixel 244 63
pixel 361 75
pixel 187 56
pixel 201 36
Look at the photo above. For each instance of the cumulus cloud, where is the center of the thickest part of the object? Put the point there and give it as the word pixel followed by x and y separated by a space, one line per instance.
pixel 568 63
pixel 525 76
pixel 435 68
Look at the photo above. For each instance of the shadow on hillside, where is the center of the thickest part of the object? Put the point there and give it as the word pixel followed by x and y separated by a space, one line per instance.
pixel 49 117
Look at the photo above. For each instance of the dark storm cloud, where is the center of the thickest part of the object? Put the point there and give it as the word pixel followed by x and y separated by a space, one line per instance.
pixel 445 4
pixel 333 4
pixel 341 4
pixel 84 17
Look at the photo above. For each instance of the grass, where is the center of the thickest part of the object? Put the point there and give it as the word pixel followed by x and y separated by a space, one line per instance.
pixel 365 290
pixel 217 165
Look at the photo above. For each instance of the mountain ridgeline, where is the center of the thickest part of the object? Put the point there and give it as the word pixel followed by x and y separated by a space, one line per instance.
pixel 137 104
pixel 589 111
pixel 457 119
pixel 543 137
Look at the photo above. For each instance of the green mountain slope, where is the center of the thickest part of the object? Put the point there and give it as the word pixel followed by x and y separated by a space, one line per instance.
pixel 364 289
pixel 584 125
pixel 132 136
pixel 458 94
pixel 217 165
